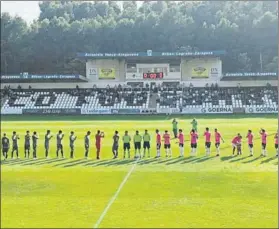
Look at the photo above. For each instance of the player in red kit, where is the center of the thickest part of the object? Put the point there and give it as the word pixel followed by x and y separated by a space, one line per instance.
pixel 194 142
pixel 239 146
pixel 158 143
pixel 207 135
pixel 250 138
pixel 181 143
pixel 98 138
pixel 218 137
pixel 235 142
pixel 264 141
pixel 167 144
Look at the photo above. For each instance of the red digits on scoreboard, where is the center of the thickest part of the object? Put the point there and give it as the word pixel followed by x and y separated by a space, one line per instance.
pixel 161 74
pixel 144 75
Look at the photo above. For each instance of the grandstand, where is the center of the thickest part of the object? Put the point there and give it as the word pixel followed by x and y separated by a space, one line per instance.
pixel 168 99
pixel 144 82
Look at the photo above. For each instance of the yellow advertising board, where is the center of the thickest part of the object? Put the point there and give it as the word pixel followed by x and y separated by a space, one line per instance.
pixel 200 72
pixel 106 73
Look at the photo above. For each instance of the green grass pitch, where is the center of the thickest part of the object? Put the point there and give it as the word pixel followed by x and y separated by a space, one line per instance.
pixel 189 192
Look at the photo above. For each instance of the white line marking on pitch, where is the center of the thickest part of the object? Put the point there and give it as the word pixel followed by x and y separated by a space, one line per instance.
pixel 115 195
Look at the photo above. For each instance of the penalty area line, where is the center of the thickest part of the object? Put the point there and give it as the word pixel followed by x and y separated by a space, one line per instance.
pixel 97 224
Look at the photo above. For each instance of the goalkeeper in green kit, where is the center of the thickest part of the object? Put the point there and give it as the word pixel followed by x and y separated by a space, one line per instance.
pixel 194 125
pixel 174 128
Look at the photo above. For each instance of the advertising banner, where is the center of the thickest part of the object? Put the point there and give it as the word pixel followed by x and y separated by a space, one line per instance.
pixel 200 72
pixel 192 110
pixel 162 110
pixel 46 111
pixel 107 73
pixel 11 111
pixel 168 110
pixel 135 76
pixel 214 72
pixel 126 111
pixel 207 110
pixel 25 75
pixel 263 110
pixel 251 74
pixel 150 53
pixel 218 110
pixel 96 111
pixel 93 72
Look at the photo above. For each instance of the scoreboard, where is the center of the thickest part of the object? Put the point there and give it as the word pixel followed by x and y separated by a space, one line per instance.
pixel 153 75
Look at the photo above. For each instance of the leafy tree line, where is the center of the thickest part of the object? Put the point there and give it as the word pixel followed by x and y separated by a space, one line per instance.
pixel 246 30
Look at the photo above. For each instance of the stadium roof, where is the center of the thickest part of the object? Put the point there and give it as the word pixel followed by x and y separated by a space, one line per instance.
pixel 150 53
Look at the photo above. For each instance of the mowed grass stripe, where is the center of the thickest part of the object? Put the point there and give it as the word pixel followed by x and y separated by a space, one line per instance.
pixel 196 200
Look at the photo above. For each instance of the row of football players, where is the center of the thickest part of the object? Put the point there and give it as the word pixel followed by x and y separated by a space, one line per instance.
pixel 137 139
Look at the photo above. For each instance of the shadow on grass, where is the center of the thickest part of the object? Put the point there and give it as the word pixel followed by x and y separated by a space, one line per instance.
pixel 76 163
pixel 106 163
pixel 225 158
pixel 254 159
pixel 146 161
pixel 239 159
pixel 71 161
pixel 204 158
pixel 177 160
pixel 45 161
pixel 163 160
pixel 122 162
pixel 24 161
pixel 15 161
pixel 11 162
pixel 191 159
pixel 95 162
pixel 268 160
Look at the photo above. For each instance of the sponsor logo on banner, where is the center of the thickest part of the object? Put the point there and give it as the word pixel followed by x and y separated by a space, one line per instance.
pixel 218 110
pixel 134 77
pixel 96 111
pixel 5 111
pixel 264 110
pixel 199 72
pixel 251 74
pixel 25 75
pixel 163 110
pixel 3 77
pixel 93 72
pixel 175 110
pixel 107 73
pixel 114 111
pixel 214 72
pixel 192 110
pixel 126 111
pixel 168 110
pixel 207 110
pixel 52 111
